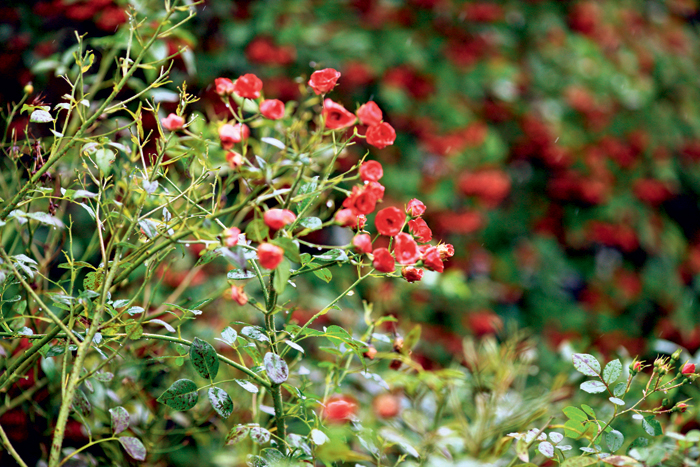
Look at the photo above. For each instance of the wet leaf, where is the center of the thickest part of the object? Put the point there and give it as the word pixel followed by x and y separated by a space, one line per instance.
pixel 612 371
pixel 182 395
pixel 276 368
pixel 221 402
pixel 204 358
pixel 586 364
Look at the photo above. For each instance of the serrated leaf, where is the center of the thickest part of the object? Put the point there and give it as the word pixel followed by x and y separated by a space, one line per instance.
pixel 220 401
pixel 259 434
pixel 40 116
pixel 614 440
pixel 546 449
pixel 593 387
pixel 586 364
pixel 247 385
pixel 134 447
pixel 612 371
pixel 204 358
pixel 332 255
pixel 93 280
pixel 120 419
pixel 276 368
pixel 182 395
pixel 652 426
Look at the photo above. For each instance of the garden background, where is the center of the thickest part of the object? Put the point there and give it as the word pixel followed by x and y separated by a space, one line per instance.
pixel 555 143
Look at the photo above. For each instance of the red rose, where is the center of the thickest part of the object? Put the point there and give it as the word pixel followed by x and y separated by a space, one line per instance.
pixel 369 114
pixel 269 255
pixel 415 208
pixel 432 261
pixel 381 135
pixel 231 236
pixel 389 221
pixel 278 218
pixel 173 122
pixel 412 274
pixel 383 261
pixel 420 230
pixel 238 295
pixel 231 134
pixel 446 250
pixel 323 81
pixel 405 249
pixel 224 86
pixel 337 116
pixel 248 86
pixel 234 159
pixel 272 109
pixel 371 171
pixel 363 243
pixel 688 369
pixel 386 405
pixel 340 409
pixel 361 200
pixel 376 188
pixel 346 218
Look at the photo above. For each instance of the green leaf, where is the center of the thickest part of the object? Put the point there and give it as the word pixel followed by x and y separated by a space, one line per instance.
pixel 579 461
pixel 282 272
pixel 40 116
pixel 573 429
pixel 614 440
pixel 248 386
pixel 93 280
pixel 593 387
pixel 305 189
pixel 221 401
pixel 324 274
pixel 104 158
pixel 259 434
pixel 276 368
pixel 612 371
pixel 521 448
pixel 332 255
pixel 311 223
pixel 237 434
pixel 204 358
pixel 239 274
pixel 290 247
pixel 619 389
pixel 256 230
pixel 588 410
pixel 620 461
pixel 640 442
pixel 616 401
pixel 134 447
pixel 182 395
pixel 45 218
pixel 80 403
pixel 652 426
pixel 120 419
pixel 574 413
pixel 586 364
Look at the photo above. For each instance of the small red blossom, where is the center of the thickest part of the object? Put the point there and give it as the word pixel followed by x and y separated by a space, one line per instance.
pixel 369 114
pixel 234 159
pixel 361 201
pixel 446 250
pixel 381 135
pixel 419 228
pixel 432 261
pixel 370 352
pixel 389 221
pixel 224 86
pixel 272 109
pixel 269 255
pixel 278 218
pixel 232 134
pixel 688 369
pixel 383 261
pixel 231 236
pixel 412 274
pixel 362 243
pixel 346 218
pixel 173 122
pixel 323 81
pixel 386 405
pixel 415 208
pixel 336 116
pixel 405 249
pixel 238 295
pixel 376 188
pixel 340 409
pixel 248 86
pixel 371 171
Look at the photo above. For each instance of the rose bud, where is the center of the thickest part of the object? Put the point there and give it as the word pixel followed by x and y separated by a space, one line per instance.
pixel 346 218
pixel 419 228
pixel 272 109
pixel 231 236
pixel 362 243
pixel 432 261
pixel 323 81
pixel 383 261
pixel 232 134
pixel 398 344
pixel 371 171
pixel 406 249
pixel 381 135
pixel 340 409
pixel 369 114
pixel 688 369
pixel 370 352
pixel 269 255
pixel 234 159
pixel 336 116
pixel 415 208
pixel 248 86
pixel 412 274
pixel 278 218
pixel 446 250
pixel 386 405
pixel 224 86
pixel 680 407
pixel 173 122
pixel 238 295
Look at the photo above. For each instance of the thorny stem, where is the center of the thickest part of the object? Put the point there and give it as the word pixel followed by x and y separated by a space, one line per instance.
pixel 10 449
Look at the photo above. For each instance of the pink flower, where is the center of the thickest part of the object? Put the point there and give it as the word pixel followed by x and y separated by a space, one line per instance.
pixel 234 159
pixel 272 109
pixel 363 243
pixel 381 135
pixel 369 114
pixel 432 261
pixel 231 134
pixel 415 208
pixel 231 236
pixel 688 369
pixel 248 86
pixel 323 81
pixel 420 230
pixel 383 261
pixel 406 249
pixel 173 122
pixel 269 255
pixel 389 221
pixel 337 116
pixel 412 274
pixel 371 171
pixel 278 218
pixel 238 295
pixel 224 86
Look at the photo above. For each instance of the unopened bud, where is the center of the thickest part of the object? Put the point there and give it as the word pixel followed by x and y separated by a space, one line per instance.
pixel 688 369
pixel 28 88
pixel 398 344
pixel 370 352
pixel 676 355
pixel 664 403
pixel 680 407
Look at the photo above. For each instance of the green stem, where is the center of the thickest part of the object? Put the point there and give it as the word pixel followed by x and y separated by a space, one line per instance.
pixel 10 449
pixel 65 459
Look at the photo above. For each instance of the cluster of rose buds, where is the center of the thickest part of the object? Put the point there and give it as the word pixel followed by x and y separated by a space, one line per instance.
pixel 409 249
